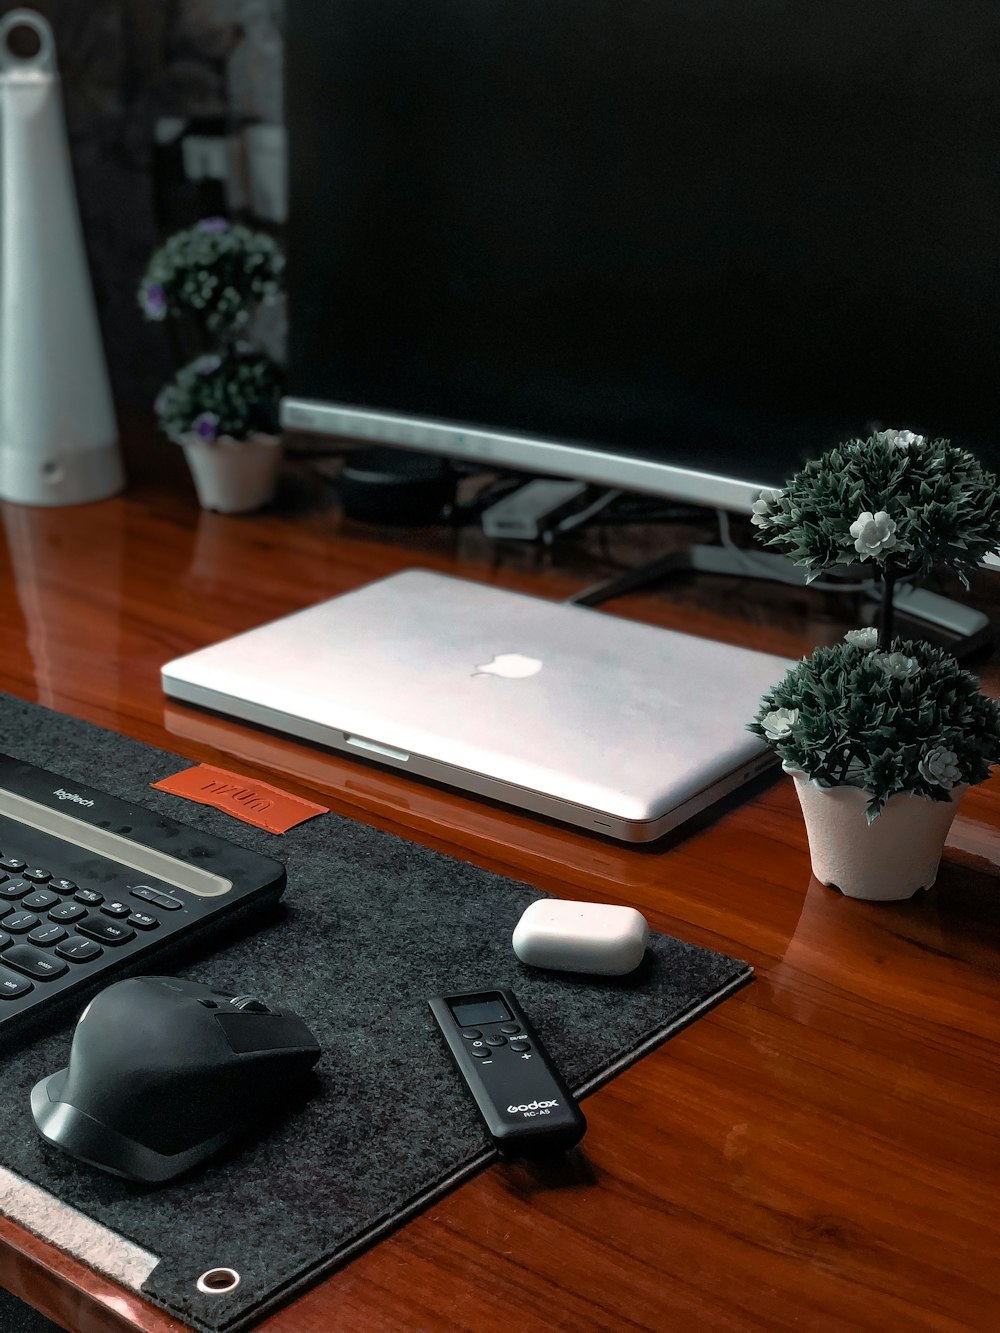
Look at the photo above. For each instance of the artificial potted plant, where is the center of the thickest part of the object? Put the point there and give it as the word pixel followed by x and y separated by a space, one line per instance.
pixel 222 405
pixel 882 736
pixel 222 411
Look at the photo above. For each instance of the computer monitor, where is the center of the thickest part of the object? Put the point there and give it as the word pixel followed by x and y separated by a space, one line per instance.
pixel 670 246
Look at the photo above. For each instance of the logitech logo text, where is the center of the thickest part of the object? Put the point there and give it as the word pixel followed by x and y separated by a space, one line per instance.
pixel 71 796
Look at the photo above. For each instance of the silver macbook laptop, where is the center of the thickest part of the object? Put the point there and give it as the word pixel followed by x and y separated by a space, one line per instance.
pixel 572 713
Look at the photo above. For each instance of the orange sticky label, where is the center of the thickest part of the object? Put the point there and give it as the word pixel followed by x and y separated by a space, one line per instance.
pixel 256 803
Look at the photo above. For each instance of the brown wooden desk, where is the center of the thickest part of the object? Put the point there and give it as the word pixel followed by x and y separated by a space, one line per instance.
pixel 820 1152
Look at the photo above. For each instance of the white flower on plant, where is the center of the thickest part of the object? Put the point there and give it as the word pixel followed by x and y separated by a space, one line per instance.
pixel 940 766
pixel 863 638
pixel 779 723
pixel 897 665
pixel 873 533
pixel 760 511
pixel 900 439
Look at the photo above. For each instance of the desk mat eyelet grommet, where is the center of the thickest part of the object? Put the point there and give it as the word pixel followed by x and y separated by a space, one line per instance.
pixel 218 1281
pixel 371 925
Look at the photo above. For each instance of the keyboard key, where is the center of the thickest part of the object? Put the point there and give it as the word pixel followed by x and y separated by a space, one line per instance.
pixel 40 901
pixel 18 923
pixel 15 888
pixel 105 932
pixel 12 863
pixel 116 909
pixel 89 896
pixel 67 912
pixel 34 963
pixel 11 987
pixel 143 921
pixel 47 934
pixel 36 875
pixel 63 885
pixel 78 950
pixel 149 895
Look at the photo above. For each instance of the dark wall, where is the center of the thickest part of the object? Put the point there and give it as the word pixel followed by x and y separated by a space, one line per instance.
pixel 126 66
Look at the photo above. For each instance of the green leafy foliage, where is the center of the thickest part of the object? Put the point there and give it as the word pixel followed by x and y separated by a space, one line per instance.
pixel 236 395
pixel 215 271
pixel 933 503
pixel 908 720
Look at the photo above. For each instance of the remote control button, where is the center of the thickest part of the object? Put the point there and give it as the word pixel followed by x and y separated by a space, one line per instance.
pixel 11 987
pixel 105 932
pixel 18 923
pixel 78 950
pixel 510 1027
pixel 481 1052
pixel 116 909
pixel 43 967
pixel 520 1046
pixel 63 885
pixel 89 896
pixel 143 920
pixel 67 912
pixel 17 888
pixel 495 1039
pixel 40 901
pixel 47 935
pixel 36 875
pixel 471 1034
pixel 12 863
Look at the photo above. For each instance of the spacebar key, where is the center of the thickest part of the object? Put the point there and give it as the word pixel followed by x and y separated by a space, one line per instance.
pixel 104 931
pixel 34 963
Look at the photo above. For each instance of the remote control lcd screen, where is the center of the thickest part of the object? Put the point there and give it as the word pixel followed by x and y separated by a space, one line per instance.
pixel 486 1010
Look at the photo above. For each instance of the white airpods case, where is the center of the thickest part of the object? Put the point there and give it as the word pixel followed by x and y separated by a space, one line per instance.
pixel 581 937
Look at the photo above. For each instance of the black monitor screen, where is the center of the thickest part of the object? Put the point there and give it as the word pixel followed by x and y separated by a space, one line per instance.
pixel 721 234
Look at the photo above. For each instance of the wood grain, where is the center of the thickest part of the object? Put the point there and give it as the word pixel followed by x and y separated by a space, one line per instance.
pixel 819 1152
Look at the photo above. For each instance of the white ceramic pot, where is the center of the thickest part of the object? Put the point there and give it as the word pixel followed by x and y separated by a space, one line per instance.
pixel 234 476
pixel 884 861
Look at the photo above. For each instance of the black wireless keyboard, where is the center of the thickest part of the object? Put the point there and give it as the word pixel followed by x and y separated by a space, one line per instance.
pixel 93 889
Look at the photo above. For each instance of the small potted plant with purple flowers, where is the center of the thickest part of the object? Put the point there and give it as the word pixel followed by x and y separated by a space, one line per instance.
pixel 222 405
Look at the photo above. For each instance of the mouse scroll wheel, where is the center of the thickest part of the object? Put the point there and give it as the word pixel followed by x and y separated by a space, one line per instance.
pixel 248 1005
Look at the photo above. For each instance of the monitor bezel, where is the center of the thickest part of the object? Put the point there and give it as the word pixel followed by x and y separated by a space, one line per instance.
pixel 532 454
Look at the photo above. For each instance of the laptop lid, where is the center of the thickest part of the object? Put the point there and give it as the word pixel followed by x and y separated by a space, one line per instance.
pixel 613 725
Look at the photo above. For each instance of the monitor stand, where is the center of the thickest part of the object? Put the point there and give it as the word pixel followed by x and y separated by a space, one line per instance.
pixel 918 613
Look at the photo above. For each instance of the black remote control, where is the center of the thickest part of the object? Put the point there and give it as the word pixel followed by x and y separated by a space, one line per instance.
pixel 527 1107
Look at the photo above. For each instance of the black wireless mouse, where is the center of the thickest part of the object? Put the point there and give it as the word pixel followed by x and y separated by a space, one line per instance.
pixel 163 1073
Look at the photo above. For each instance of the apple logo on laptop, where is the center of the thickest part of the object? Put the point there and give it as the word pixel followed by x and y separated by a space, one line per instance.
pixel 510 666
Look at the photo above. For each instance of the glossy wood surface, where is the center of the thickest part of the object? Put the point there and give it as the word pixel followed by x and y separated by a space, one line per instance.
pixel 820 1152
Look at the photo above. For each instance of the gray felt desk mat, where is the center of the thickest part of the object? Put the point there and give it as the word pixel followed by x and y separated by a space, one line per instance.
pixel 372 926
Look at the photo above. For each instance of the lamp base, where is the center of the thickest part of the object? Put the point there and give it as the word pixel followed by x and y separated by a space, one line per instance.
pixel 51 478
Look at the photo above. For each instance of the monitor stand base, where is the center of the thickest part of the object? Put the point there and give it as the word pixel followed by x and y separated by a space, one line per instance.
pixel 918 613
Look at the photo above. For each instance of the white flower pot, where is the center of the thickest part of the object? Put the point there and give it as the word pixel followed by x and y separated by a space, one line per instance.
pixel 234 476
pixel 884 861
